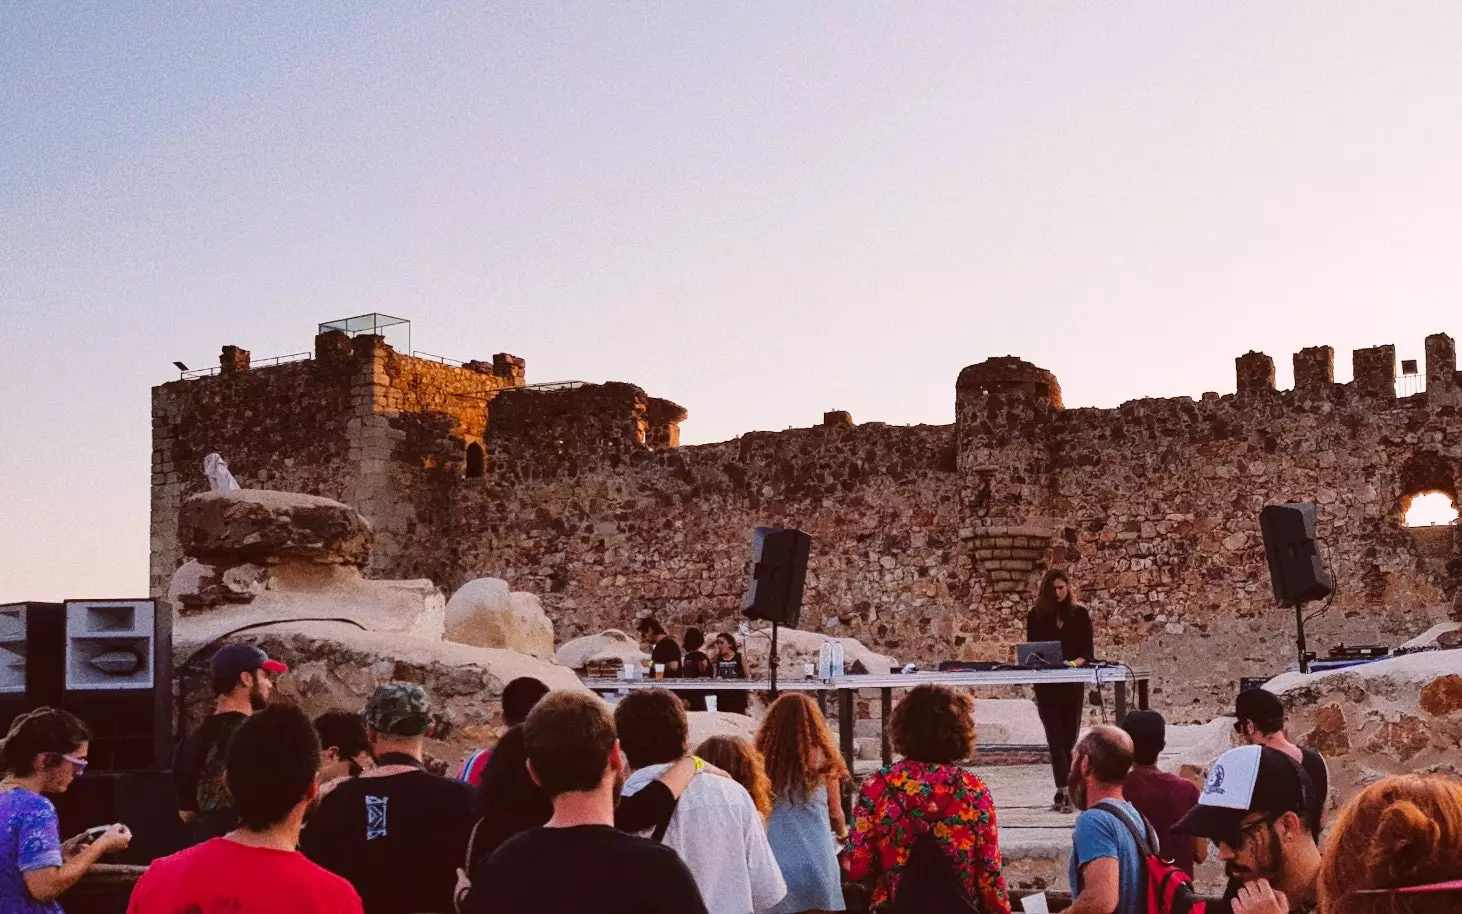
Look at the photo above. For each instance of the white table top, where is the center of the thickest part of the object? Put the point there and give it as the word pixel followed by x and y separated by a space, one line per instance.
pixel 1078 675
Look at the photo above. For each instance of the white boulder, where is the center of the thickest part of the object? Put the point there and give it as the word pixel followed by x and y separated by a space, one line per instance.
pixel 611 644
pixel 486 613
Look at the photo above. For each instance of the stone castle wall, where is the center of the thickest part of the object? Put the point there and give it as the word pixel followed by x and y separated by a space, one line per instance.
pixel 929 541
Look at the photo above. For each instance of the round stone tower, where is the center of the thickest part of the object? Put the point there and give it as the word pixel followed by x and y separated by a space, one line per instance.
pixel 1004 410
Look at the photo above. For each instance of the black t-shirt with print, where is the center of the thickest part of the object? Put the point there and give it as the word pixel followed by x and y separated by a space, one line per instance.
pixel 398 839
pixel 198 775
pixel 582 869
pixel 735 702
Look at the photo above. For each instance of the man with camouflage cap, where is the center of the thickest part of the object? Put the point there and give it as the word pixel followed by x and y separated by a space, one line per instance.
pixel 397 832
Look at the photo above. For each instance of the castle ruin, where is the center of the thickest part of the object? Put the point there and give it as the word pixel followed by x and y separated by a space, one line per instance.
pixel 928 541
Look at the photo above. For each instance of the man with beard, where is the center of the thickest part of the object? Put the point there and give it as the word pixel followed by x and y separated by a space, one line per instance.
pixel 241 686
pixel 578 861
pixel 1255 808
pixel 1107 870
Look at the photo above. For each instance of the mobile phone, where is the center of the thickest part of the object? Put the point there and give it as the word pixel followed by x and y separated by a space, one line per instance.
pixel 96 831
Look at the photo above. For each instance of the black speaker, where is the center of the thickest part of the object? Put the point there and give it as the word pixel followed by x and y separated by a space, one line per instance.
pixel 144 801
pixel 1295 569
pixel 778 572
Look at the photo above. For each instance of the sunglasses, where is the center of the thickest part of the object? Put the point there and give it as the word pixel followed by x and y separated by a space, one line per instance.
pixel 80 763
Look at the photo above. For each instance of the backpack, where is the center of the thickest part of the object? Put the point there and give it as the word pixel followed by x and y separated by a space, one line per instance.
pixel 1169 889
pixel 928 884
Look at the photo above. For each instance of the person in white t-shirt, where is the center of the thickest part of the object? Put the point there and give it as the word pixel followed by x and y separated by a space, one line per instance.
pixel 715 828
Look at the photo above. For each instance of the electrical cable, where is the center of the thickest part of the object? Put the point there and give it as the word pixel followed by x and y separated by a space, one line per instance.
pixel 1333 593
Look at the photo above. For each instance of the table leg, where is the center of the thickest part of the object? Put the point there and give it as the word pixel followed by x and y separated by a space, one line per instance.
pixel 1121 692
pixel 822 701
pixel 845 741
pixel 885 708
pixel 1142 693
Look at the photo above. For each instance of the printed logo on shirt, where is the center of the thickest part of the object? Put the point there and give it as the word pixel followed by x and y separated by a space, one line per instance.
pixel 375 817
pixel 1215 781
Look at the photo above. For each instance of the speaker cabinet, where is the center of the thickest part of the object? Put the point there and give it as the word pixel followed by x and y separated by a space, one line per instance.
pixel 146 801
pixel 117 669
pixel 1295 569
pixel 778 573
pixel 32 638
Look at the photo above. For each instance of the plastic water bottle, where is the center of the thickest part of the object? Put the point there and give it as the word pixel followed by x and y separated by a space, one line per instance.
pixel 837 658
pixel 825 661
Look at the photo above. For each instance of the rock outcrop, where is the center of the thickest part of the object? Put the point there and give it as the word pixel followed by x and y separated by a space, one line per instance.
pixel 334 666
pixel 485 612
pixel 1394 716
pixel 254 525
pixel 285 571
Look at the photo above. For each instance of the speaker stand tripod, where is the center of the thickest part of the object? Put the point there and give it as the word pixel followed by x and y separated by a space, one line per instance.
pixel 1299 622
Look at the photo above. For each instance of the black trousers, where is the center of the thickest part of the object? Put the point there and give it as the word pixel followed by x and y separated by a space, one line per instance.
pixel 1060 707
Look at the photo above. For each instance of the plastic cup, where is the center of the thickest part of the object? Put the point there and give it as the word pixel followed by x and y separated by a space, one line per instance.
pixel 710 702
pixel 659 671
pixel 809 671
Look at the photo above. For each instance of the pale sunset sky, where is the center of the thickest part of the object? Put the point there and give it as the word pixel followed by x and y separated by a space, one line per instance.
pixel 759 210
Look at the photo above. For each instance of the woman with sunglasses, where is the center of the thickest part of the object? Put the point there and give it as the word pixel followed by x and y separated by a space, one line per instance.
pixel 43 753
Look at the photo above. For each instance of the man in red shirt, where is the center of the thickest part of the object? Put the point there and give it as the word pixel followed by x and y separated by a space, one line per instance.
pixel 272 760
pixel 1163 798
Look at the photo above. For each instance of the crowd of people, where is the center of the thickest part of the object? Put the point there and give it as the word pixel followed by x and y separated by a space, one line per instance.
pixel 583 806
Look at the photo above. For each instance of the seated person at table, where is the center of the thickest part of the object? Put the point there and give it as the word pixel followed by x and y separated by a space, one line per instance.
pixel 729 665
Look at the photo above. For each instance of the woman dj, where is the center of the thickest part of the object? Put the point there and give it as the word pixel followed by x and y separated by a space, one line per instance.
pixel 1057 617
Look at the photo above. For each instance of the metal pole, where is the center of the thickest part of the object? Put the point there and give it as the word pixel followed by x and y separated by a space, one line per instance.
pixel 1299 621
pixel 774 661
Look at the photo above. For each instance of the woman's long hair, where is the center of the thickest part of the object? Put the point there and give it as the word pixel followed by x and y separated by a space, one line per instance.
pixel 1047 606
pixel 798 747
pixel 1399 832
pixel 739 758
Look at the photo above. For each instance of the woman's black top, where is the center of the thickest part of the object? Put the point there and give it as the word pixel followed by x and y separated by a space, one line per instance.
pixel 695 665
pixel 735 702
pixel 1073 631
pixel 509 802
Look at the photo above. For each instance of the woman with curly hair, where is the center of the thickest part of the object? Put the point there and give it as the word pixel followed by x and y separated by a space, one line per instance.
pixel 738 757
pixel 933 728
pixel 806 826
pixel 1396 849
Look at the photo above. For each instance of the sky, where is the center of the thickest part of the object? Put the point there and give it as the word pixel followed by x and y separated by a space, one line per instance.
pixel 759 210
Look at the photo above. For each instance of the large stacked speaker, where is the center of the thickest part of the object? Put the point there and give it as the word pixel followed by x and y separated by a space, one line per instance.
pixel 109 662
pixel 778 573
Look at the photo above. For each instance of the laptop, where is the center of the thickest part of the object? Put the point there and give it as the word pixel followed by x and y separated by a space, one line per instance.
pixel 1039 655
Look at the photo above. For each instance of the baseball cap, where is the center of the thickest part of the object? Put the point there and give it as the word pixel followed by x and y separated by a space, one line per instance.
pixel 1246 780
pixel 240 657
pixel 1261 706
pixel 398 708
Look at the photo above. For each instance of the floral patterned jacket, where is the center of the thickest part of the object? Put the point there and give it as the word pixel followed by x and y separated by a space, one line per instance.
pixel 904 800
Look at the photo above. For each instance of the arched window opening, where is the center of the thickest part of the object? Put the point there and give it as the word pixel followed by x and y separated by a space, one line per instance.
pixel 1430 509
pixel 476 460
